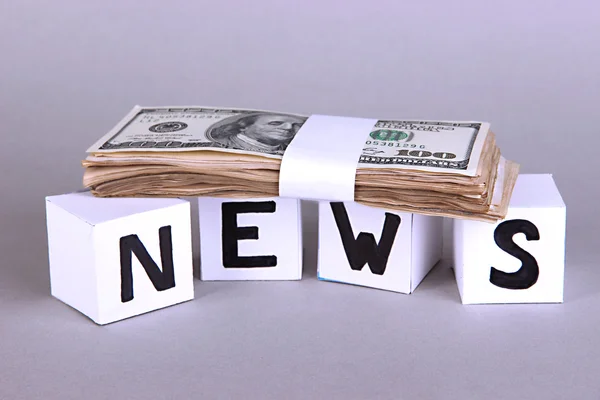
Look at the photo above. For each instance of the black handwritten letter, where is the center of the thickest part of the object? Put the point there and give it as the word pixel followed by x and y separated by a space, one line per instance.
pixel 364 248
pixel 162 280
pixel 231 233
pixel 528 274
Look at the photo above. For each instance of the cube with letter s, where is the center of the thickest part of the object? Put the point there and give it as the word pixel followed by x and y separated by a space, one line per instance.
pixel 250 239
pixel 114 258
pixel 520 259
pixel 377 248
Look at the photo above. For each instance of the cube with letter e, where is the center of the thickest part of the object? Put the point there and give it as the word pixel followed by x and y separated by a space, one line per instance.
pixel 114 258
pixel 520 259
pixel 377 248
pixel 250 239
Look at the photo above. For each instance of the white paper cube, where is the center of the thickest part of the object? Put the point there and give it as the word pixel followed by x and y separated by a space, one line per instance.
pixel 114 258
pixel 250 239
pixel 533 231
pixel 374 247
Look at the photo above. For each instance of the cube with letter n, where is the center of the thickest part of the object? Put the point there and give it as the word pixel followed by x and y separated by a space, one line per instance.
pixel 375 247
pixel 520 259
pixel 114 258
pixel 250 239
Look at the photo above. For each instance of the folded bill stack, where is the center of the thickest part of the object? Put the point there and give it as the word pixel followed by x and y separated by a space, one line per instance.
pixel 445 168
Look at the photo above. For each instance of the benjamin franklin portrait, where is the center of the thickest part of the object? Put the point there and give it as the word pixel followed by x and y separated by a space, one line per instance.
pixel 260 132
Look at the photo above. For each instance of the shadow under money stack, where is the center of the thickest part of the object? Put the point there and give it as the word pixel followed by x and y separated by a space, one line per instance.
pixel 452 169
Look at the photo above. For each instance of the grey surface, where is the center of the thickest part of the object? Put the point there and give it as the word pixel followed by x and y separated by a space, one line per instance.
pixel 70 70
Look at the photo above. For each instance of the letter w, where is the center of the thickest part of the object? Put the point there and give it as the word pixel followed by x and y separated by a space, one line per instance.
pixel 364 249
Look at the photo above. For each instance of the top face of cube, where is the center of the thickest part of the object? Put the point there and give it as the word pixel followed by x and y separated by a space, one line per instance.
pixel 96 210
pixel 540 187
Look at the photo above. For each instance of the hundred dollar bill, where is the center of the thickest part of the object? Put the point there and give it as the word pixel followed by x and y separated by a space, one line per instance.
pixel 435 146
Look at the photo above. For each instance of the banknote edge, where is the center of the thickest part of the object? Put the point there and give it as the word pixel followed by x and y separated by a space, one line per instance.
pixel 126 120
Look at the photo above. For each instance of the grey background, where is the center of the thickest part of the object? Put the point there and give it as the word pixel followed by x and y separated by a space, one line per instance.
pixel 69 70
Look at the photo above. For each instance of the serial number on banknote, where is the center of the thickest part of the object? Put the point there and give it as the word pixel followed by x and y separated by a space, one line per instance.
pixel 391 144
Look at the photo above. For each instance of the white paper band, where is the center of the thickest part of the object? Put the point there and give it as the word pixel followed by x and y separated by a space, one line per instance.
pixel 320 162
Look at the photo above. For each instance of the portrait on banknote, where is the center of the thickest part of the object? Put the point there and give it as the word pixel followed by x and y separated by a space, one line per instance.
pixel 261 132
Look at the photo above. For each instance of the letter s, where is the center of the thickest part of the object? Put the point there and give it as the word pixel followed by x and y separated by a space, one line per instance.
pixel 528 274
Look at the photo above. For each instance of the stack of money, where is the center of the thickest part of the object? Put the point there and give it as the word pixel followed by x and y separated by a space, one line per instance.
pixel 444 168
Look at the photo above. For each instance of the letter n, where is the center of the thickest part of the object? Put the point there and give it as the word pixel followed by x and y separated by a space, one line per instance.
pixel 162 280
